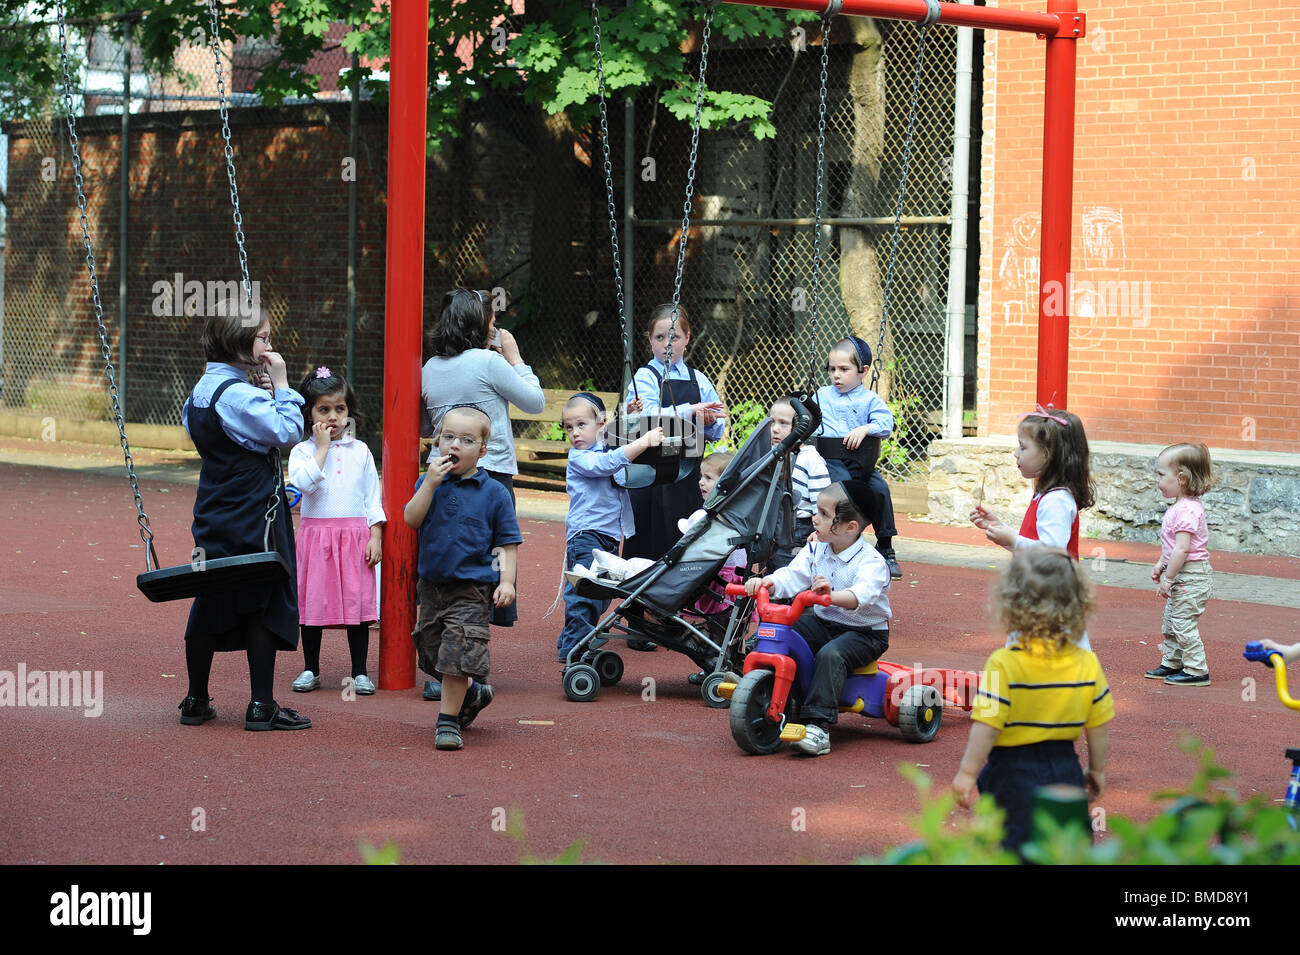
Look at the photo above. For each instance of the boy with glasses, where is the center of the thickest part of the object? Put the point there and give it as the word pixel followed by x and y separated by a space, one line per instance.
pixel 467 540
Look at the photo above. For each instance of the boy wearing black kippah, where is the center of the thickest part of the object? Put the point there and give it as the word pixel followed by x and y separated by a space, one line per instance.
pixel 854 630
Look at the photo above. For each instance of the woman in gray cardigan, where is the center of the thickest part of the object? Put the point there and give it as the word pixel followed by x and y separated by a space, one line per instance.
pixel 466 368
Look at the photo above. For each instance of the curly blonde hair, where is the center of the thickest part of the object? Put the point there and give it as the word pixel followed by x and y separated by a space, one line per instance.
pixel 1044 598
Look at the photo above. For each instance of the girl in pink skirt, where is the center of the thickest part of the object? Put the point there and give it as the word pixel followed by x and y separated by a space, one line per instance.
pixel 341 532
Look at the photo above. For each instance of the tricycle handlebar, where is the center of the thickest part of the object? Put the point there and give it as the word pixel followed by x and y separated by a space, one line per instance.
pixel 1257 652
pixel 780 613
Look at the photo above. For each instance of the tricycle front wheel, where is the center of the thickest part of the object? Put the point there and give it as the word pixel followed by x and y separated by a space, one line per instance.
pixel 750 727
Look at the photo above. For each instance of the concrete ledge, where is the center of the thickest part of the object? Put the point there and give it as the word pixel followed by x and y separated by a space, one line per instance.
pixel 23 424
pixel 1254 506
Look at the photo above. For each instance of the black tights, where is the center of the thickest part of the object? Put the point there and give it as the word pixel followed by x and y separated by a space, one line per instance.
pixel 358 647
pixel 260 644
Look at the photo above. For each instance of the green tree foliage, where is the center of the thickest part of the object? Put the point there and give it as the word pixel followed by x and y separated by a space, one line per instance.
pixel 476 46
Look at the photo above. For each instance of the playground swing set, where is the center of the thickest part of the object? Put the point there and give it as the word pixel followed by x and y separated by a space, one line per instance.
pixel 1060 26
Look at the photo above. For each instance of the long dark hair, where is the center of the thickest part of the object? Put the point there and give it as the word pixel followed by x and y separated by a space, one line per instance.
pixel 316 386
pixel 462 324
pixel 1065 447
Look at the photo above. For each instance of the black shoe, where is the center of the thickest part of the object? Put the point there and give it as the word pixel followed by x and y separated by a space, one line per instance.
pixel 1162 671
pixel 432 690
pixel 272 716
pixel 695 679
pixel 645 646
pixel 891 561
pixel 195 711
pixel 1187 679
pixel 483 694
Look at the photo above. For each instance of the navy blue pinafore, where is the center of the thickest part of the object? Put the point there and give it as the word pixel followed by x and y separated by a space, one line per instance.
pixel 657 509
pixel 235 487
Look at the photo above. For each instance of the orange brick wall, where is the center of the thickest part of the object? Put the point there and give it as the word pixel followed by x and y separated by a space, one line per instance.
pixel 1186 191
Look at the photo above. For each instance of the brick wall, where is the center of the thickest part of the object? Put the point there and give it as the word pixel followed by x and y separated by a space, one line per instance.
pixel 1186 229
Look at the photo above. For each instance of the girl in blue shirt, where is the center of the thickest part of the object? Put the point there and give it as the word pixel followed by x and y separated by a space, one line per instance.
pixel 239 415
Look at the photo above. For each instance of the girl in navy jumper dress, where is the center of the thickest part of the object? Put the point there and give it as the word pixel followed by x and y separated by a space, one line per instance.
pixel 238 428
pixel 687 394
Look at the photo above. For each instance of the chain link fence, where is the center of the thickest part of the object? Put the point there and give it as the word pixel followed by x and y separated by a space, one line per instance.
pixel 747 282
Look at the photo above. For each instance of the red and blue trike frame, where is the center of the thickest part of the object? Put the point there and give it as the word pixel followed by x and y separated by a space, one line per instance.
pixel 911 698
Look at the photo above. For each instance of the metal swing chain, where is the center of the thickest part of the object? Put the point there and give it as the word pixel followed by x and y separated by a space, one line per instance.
pixel 817 207
pixel 690 191
pixel 142 519
pixel 230 152
pixel 609 194
pixel 215 42
pixel 898 205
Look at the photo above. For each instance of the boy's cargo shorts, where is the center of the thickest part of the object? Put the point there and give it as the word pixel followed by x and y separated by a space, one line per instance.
pixel 451 638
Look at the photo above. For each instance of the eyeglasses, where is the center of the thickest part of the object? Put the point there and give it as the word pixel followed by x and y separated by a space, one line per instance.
pixel 265 339
pixel 462 440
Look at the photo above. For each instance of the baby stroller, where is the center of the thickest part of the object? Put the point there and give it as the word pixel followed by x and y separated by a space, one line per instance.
pixel 749 507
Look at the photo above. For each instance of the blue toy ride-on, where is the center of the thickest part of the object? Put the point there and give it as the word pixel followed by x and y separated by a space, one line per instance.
pixel 1273 658
pixel 778 674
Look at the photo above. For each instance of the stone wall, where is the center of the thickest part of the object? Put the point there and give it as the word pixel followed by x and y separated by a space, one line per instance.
pixel 1254 506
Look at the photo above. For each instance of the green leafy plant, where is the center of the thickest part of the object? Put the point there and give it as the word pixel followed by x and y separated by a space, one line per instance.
pixel 972 841
pixel 743 417
pixel 518 834
pixel 387 854
pixel 894 450
pixel 1205 823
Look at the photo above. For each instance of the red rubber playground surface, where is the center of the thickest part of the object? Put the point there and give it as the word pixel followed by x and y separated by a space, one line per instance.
pixel 638 780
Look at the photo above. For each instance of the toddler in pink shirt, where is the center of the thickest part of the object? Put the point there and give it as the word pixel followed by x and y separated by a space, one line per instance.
pixel 1182 575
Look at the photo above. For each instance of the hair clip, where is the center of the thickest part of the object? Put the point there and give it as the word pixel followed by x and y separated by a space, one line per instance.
pixel 1041 412
pixel 323 372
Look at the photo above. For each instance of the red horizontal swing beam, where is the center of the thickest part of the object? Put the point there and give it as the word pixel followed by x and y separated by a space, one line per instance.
pixel 1060 26
pixel 1053 23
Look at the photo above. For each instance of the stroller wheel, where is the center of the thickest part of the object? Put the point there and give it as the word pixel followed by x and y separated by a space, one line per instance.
pixel 750 727
pixel 581 683
pixel 709 690
pixel 609 667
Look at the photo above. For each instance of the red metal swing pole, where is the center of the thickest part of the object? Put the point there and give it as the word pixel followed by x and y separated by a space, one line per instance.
pixel 1060 26
pixel 403 320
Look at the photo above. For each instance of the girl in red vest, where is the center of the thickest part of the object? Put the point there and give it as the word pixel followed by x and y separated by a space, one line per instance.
pixel 1053 453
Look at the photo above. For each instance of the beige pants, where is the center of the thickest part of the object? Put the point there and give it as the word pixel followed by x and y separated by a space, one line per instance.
pixel 1182 648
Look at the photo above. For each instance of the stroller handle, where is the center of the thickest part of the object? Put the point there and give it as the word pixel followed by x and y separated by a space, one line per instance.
pixel 770 612
pixel 1256 651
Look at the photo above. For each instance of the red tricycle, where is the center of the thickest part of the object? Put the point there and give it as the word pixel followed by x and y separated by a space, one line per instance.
pixel 778 673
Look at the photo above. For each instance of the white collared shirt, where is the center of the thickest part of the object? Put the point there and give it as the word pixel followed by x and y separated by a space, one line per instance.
pixel 859 568
pixel 348 485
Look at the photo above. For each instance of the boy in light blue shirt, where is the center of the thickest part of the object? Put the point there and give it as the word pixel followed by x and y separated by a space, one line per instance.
pixel 600 512
pixel 853 412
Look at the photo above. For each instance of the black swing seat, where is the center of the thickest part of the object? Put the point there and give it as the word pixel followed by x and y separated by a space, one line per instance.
pixel 866 454
pixel 669 463
pixel 187 581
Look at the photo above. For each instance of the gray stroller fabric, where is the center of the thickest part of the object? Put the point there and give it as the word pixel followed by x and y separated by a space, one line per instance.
pixel 749 507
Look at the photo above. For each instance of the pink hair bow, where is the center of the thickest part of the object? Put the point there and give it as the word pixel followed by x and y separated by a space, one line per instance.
pixel 1041 412
pixel 323 372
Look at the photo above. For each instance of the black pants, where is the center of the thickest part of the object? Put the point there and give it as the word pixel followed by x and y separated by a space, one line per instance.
pixel 1014 772
pixel 839 651
pixel 882 508
pixel 507 615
